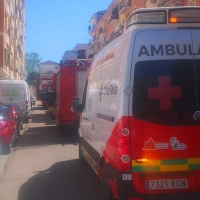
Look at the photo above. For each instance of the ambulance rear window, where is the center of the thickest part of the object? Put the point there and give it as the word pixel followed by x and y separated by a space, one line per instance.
pixel 167 92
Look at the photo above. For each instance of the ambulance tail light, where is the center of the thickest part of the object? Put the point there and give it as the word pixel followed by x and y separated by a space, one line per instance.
pixel 124 148
pixel 184 15
pixel 141 160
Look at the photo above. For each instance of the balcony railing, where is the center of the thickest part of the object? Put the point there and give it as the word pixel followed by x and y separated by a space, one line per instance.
pixel 112 37
pixel 169 3
pixel 101 31
pixel 124 6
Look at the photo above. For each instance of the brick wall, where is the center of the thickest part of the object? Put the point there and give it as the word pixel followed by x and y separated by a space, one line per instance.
pixel 1 31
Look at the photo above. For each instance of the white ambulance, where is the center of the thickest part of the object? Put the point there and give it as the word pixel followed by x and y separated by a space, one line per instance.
pixel 16 91
pixel 140 116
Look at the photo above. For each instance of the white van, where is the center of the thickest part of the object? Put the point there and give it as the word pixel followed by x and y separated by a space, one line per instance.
pixel 140 116
pixel 16 91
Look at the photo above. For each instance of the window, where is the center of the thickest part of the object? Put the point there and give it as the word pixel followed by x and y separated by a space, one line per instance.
pixel 167 91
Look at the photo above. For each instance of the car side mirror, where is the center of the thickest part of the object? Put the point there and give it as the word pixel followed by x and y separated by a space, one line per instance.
pixel 75 105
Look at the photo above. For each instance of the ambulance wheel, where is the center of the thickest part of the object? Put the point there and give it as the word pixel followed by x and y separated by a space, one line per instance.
pixel 106 191
pixel 82 159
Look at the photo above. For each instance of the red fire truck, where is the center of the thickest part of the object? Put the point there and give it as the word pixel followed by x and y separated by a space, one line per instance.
pixel 70 82
pixel 46 91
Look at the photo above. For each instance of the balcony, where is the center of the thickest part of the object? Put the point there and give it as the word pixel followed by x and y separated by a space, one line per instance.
pixel 7 63
pixel 124 6
pixel 103 36
pixel 11 24
pixel 170 3
pixel 9 49
pixel 114 18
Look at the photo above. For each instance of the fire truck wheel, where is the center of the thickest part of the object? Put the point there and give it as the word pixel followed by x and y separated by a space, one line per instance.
pixel 61 130
pixel 106 191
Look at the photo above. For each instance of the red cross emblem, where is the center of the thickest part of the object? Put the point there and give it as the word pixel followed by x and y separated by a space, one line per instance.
pixel 164 92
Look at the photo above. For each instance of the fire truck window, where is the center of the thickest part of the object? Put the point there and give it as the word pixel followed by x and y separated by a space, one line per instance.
pixel 165 92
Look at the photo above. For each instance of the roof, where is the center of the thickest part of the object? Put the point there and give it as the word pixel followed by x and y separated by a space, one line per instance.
pixel 100 13
pixel 49 62
pixel 80 46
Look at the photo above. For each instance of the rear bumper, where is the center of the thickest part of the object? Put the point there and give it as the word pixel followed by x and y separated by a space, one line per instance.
pixel 125 191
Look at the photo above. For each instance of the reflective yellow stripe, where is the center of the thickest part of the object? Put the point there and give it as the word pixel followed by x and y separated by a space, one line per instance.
pixel 173 167
pixel 193 160
pixel 167 165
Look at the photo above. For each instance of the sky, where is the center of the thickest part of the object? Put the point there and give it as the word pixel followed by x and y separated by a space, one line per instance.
pixel 54 26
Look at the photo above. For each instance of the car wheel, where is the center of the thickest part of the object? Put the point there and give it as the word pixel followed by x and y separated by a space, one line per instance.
pixel 21 125
pixel 6 149
pixel 106 191
pixel 18 129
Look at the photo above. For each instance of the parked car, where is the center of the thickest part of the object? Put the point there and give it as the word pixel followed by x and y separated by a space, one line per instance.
pixel 18 115
pixel 16 91
pixel 8 129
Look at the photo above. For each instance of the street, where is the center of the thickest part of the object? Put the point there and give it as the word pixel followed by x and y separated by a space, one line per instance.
pixel 44 166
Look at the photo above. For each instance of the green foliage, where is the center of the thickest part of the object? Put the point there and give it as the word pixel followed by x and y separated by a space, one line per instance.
pixel 31 77
pixel 32 61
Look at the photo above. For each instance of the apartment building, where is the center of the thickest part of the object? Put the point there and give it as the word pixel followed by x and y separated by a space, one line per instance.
pixel 108 24
pixel 12 37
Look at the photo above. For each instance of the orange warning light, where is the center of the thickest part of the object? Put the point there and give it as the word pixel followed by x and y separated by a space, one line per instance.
pixel 173 19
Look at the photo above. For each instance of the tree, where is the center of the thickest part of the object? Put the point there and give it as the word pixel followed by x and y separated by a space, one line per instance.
pixel 31 77
pixel 32 61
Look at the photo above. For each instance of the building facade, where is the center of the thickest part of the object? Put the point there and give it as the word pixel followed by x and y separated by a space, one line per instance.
pixel 107 25
pixel 48 68
pixel 12 39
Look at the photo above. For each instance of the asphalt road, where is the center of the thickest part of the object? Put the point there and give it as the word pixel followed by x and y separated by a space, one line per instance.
pixel 43 166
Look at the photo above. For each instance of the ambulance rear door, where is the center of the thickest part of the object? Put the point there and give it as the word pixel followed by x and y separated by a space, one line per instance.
pixel 165 99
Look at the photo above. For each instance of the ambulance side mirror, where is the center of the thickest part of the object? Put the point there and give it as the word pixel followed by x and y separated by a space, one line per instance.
pixel 75 105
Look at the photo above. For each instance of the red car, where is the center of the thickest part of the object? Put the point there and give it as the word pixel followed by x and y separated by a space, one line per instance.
pixel 17 114
pixel 8 129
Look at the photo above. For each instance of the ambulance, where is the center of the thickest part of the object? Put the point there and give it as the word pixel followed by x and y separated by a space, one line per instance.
pixel 140 114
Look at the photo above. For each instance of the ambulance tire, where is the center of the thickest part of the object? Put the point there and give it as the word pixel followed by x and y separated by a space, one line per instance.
pixel 106 191
pixel 82 159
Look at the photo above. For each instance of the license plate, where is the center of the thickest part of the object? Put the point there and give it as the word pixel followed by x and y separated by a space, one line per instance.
pixel 166 184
